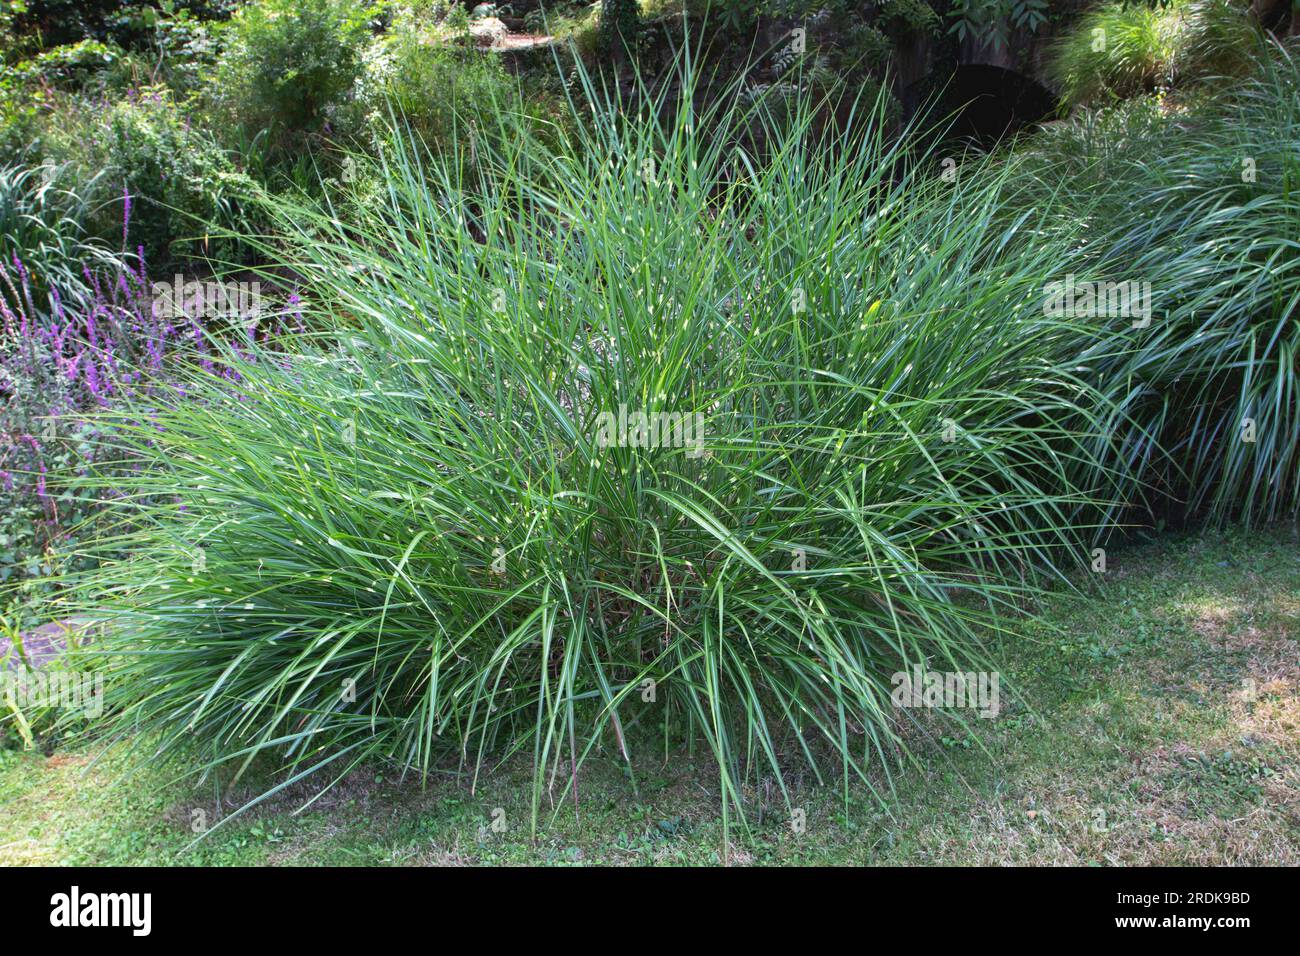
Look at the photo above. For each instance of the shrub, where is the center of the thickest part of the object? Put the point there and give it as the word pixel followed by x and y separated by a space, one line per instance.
pixel 445 99
pixel 34 90
pixel 187 50
pixel 19 121
pixel 429 87
pixel 127 23
pixel 184 192
pixel 909 16
pixel 288 63
pixel 981 18
pixel 74 67
pixel 56 22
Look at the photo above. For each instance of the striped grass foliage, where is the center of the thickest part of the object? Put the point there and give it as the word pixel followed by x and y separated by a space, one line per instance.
pixel 409 541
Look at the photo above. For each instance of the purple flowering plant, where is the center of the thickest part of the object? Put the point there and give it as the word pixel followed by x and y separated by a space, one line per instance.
pixel 68 370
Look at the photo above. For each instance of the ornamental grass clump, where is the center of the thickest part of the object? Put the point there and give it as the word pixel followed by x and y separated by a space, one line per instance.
pixel 1201 204
pixel 651 439
pixel 1117 49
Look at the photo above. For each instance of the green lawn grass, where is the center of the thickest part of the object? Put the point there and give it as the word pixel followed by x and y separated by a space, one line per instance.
pixel 1156 721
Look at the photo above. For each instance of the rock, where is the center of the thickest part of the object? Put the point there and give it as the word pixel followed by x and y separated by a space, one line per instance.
pixel 40 646
pixel 489 31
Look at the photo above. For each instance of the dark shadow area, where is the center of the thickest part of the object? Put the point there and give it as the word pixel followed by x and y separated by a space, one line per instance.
pixel 981 104
pixel 1274 15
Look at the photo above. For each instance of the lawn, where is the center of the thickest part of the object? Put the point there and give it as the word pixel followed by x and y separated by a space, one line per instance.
pixel 1156 722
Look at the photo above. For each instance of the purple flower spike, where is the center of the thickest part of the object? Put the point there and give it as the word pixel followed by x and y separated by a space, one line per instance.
pixel 126 213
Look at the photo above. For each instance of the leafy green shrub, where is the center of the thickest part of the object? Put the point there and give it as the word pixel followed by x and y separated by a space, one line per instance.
pixel 867 46
pixel 909 16
pixel 437 93
pixel 976 18
pixel 178 178
pixel 35 89
pixel 288 64
pixel 58 22
pixel 733 15
pixel 74 67
pixel 20 121
pixel 187 50
pixel 38 24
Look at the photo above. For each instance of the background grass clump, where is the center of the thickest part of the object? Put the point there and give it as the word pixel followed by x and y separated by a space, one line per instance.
pixel 1201 203
pixel 1118 50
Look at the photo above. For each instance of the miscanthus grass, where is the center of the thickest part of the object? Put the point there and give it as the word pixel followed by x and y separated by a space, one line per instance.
pixel 854 443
